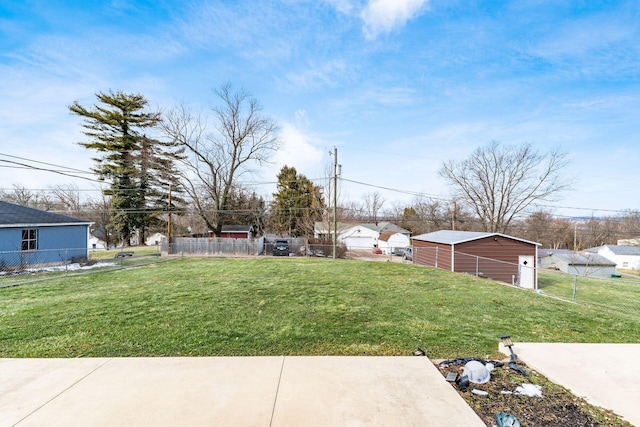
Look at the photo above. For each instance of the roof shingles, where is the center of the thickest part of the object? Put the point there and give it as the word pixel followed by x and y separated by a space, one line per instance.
pixel 12 215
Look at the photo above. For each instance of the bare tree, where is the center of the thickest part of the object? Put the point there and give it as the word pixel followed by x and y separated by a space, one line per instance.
pixel 67 197
pixel 98 210
pixel 542 227
pixel 373 203
pixel 243 137
pixel 20 196
pixel 500 182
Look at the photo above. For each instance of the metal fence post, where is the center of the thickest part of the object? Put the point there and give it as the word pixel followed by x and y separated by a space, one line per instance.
pixel 575 285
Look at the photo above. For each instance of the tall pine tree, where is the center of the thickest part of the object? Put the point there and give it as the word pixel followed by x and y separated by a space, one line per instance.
pixel 138 168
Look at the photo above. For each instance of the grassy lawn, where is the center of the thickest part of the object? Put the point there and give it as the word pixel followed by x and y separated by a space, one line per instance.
pixel 289 306
pixel 111 253
pixel 616 294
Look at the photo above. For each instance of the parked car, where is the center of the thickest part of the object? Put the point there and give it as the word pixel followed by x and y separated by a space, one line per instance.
pixel 407 254
pixel 280 248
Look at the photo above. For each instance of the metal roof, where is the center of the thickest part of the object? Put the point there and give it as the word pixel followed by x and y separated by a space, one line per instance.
pixel 618 249
pixel 12 215
pixel 577 258
pixel 386 226
pixel 454 237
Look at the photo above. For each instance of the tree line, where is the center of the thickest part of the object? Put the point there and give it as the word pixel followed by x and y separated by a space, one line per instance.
pixel 189 164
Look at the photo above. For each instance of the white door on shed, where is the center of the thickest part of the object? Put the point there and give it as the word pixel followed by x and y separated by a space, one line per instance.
pixel 526 271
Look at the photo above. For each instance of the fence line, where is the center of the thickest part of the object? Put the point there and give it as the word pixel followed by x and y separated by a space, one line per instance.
pixel 214 246
pixel 21 267
pixel 621 294
pixel 618 293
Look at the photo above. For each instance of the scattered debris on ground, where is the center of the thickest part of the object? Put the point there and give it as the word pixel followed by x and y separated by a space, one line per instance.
pixel 530 399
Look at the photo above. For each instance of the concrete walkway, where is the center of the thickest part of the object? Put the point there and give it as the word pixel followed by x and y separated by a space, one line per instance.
pixel 606 375
pixel 228 391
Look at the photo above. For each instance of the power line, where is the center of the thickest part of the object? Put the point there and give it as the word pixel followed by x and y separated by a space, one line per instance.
pixel 44 163
pixel 411 193
pixel 65 171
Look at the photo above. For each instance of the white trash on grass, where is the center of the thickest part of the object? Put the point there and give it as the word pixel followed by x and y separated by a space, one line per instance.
pixel 529 390
pixel 477 372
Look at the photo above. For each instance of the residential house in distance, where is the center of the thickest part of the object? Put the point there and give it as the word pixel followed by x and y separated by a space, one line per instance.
pixel 238 231
pixel 154 239
pixel 629 242
pixel 625 257
pixel 34 237
pixel 578 263
pixel 492 255
pixel 393 243
pixel 356 236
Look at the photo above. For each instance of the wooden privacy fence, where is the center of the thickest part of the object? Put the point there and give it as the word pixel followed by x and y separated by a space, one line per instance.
pixel 214 246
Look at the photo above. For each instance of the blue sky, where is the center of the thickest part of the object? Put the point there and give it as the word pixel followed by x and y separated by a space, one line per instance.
pixel 398 86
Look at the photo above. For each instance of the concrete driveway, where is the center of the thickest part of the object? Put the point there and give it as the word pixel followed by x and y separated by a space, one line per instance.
pixel 606 375
pixel 229 391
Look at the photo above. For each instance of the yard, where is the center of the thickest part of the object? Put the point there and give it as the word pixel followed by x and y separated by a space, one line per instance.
pixel 219 306
pixel 297 306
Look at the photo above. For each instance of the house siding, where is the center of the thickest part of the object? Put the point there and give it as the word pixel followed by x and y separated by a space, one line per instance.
pixel 577 269
pixel 55 243
pixel 234 234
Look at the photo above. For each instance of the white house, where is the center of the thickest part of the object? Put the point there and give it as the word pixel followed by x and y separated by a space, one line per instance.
pixel 629 242
pixel 95 243
pixel 579 264
pixel 359 236
pixel 625 257
pixel 389 242
pixel 154 239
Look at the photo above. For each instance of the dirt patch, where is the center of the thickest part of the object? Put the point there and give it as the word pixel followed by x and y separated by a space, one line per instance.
pixel 557 406
pixel 368 255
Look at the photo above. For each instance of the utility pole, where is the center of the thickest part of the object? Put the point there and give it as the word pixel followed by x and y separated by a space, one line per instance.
pixel 335 199
pixel 169 225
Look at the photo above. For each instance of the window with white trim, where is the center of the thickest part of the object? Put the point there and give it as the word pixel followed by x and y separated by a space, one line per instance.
pixel 29 239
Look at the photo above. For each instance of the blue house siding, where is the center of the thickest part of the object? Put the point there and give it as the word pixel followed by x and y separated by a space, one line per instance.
pixel 60 238
pixel 55 244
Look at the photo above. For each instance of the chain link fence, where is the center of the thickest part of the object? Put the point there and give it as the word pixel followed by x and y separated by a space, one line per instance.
pixel 20 267
pixel 619 292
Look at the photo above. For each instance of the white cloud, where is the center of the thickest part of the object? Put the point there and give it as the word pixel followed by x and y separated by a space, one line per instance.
pixel 298 151
pixel 383 16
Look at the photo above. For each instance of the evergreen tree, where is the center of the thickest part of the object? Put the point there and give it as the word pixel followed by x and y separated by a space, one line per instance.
pixel 136 166
pixel 297 205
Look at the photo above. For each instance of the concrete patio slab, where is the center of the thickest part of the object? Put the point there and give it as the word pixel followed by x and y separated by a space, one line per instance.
pixel 29 384
pixel 606 375
pixel 368 391
pixel 244 391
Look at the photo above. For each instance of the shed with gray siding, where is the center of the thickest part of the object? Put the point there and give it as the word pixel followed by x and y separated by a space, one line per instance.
pixel 494 255
pixel 579 264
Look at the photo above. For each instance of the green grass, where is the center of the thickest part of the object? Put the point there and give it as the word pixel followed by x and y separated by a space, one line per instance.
pixel 620 295
pixel 111 253
pixel 291 306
